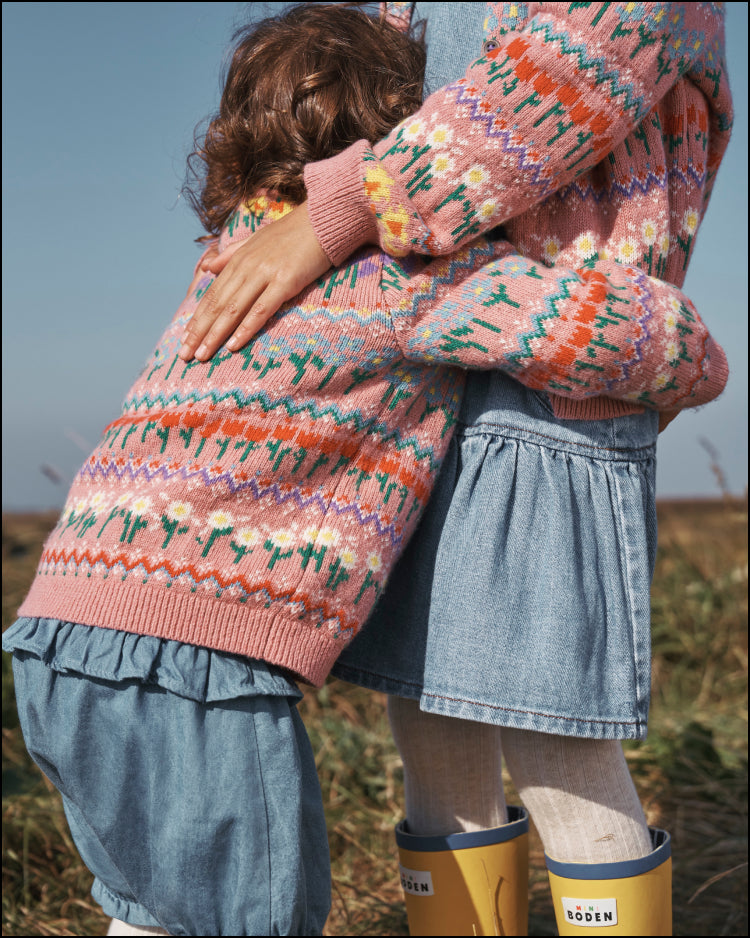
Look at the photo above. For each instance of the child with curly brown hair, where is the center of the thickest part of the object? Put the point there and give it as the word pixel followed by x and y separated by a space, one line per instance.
pixel 232 530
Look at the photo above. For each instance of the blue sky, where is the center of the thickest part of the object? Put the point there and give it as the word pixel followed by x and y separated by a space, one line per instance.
pixel 99 105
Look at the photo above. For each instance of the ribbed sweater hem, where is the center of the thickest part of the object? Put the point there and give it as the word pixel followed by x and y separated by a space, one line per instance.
pixel 337 204
pixel 295 643
pixel 592 408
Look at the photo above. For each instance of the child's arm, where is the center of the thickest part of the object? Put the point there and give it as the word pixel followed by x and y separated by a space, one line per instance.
pixel 586 72
pixel 547 104
pixel 605 330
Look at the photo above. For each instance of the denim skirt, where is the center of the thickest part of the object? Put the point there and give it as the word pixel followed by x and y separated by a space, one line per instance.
pixel 187 778
pixel 523 598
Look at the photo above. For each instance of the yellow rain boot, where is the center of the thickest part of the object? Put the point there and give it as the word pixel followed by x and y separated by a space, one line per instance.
pixel 467 884
pixel 633 897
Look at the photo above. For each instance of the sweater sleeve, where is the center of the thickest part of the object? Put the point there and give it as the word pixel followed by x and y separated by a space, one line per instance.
pixel 546 104
pixel 603 330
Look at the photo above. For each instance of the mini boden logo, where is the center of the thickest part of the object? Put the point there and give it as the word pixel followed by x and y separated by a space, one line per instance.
pixel 416 882
pixel 590 913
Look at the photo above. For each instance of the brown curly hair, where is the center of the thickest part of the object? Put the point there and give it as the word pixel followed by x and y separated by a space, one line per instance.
pixel 300 87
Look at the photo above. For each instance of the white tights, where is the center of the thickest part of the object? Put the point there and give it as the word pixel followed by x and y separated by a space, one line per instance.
pixel 578 791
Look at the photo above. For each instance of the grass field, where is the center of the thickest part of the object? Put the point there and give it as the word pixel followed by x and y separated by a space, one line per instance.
pixel 691 773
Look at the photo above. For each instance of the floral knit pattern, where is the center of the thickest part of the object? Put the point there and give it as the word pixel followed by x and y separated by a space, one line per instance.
pixel 255 503
pixel 590 131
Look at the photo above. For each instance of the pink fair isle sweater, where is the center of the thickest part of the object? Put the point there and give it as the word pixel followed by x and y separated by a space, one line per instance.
pixel 589 130
pixel 256 503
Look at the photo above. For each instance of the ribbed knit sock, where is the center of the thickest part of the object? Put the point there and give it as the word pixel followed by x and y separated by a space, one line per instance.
pixel 116 927
pixel 452 771
pixel 580 796
pixel 578 792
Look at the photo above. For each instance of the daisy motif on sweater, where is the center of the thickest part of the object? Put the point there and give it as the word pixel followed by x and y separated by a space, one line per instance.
pixel 590 131
pixel 256 503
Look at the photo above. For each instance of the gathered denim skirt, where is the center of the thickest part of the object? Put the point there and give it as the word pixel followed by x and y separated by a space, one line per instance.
pixel 523 598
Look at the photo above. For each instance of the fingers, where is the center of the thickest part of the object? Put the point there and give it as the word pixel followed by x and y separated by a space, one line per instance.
pixel 230 328
pixel 216 262
pixel 262 310
pixel 257 276
pixel 209 328
pixel 222 308
pixel 207 333
pixel 231 317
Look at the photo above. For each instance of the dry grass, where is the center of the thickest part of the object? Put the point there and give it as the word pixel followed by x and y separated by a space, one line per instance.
pixel 691 772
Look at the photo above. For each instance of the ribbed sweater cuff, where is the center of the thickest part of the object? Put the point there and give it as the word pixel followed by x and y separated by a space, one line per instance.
pixel 338 205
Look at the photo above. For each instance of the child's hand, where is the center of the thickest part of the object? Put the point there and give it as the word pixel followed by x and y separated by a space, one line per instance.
pixel 665 418
pixel 258 276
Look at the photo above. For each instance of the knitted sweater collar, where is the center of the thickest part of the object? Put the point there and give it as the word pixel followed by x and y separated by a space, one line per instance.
pixel 264 208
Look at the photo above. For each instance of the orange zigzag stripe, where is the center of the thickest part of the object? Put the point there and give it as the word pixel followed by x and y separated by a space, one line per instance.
pixel 79 557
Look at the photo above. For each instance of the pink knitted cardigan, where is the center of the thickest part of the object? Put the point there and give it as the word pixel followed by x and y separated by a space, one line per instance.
pixel 255 503
pixel 590 130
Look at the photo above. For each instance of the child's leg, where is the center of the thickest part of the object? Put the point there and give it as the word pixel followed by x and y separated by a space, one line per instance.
pixel 452 770
pixel 580 796
pixel 475 879
pixel 584 804
pixel 578 791
pixel 606 869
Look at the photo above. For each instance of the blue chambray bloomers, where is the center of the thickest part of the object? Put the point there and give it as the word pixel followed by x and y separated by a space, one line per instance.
pixel 187 778
pixel 523 598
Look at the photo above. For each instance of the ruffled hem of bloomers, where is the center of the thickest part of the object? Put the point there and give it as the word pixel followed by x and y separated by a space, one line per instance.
pixel 200 674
